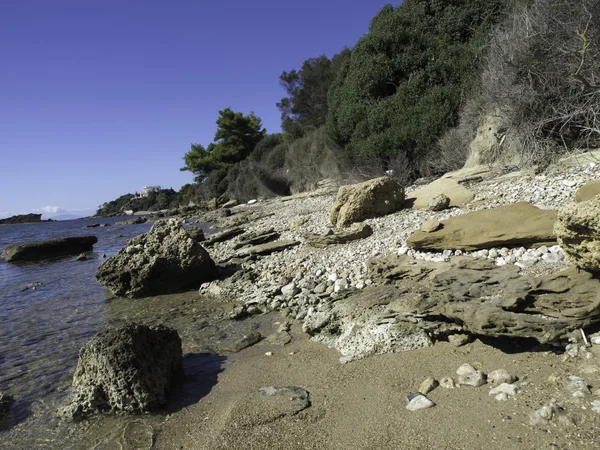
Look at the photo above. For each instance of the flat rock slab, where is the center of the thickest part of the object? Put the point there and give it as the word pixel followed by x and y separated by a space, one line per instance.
pixel 224 236
pixel 588 191
pixel 353 233
pixel 37 250
pixel 256 238
pixel 459 195
pixel 266 249
pixel 511 225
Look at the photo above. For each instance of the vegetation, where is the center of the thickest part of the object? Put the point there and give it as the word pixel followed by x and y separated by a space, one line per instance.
pixel 154 201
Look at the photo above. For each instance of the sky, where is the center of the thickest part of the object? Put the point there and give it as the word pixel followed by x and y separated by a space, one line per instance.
pixel 101 98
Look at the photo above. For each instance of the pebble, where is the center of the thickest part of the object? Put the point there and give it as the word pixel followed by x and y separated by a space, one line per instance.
pixel 469 376
pixel 500 376
pixel 447 382
pixel 428 385
pixel 268 353
pixel 418 402
pixel 505 390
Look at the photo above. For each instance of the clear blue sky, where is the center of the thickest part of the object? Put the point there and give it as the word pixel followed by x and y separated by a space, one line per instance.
pixel 99 98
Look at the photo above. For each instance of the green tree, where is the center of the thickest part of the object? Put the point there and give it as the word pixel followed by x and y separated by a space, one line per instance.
pixel 406 78
pixel 236 137
pixel 306 106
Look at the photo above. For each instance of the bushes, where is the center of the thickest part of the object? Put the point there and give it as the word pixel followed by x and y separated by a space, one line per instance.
pixel 540 88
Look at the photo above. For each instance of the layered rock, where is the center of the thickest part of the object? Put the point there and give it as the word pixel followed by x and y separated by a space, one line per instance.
pixel 352 233
pixel 37 250
pixel 511 225
pixel 578 233
pixel 588 191
pixel 163 260
pixel 126 369
pixel 357 202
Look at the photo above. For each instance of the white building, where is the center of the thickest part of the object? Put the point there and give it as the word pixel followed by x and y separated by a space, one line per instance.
pixel 147 189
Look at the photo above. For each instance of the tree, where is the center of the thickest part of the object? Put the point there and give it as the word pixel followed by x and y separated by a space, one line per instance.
pixel 306 106
pixel 236 137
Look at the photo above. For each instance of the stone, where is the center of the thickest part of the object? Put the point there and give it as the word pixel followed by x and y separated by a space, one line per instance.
pixel 458 340
pixel 247 341
pixel 230 204
pixel 81 257
pixel 289 290
pixel 448 383
pixel 39 250
pixel 357 202
pixel 588 191
pixel 465 369
pixel 505 388
pixel 128 369
pixel 315 320
pixel 469 376
pixel 429 226
pixel 138 435
pixel 542 417
pixel 252 202
pixel 576 387
pixel 447 185
pixel 6 402
pixel 256 238
pixel 439 203
pixel 224 235
pixel 578 232
pixel 428 385
pixel 168 260
pixel 266 249
pixel 418 402
pixel 135 221
pixel 510 225
pixel 500 376
pixel 354 232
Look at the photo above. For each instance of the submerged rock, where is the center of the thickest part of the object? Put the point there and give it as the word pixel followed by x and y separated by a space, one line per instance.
pixel 37 250
pixel 357 202
pixel 6 402
pixel 126 369
pixel 163 260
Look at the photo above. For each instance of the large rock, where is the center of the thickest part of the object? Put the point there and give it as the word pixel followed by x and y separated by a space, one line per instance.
pixel 448 185
pixel 476 296
pixel 22 218
pixel 510 225
pixel 588 191
pixel 357 202
pixel 126 369
pixel 32 251
pixel 6 402
pixel 578 233
pixel 163 260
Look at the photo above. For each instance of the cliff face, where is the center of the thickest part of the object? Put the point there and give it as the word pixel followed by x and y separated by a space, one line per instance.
pixel 23 218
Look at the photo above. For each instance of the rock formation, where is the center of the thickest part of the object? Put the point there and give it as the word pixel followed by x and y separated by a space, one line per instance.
pixel 354 232
pixel 126 369
pixel 357 202
pixel 33 251
pixel 578 233
pixel 163 260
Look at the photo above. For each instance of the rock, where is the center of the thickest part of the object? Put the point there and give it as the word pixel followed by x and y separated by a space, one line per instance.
pixel 354 232
pixel 500 376
pixel 447 383
pixel 289 290
pixel 439 203
pixel 252 202
pixel 196 233
pixel 138 435
pixel 588 191
pixel 81 257
pixel 316 320
pixel 224 235
pixel 419 401
pixel 6 402
pixel 225 213
pixel 504 391
pixel 265 249
pixel 135 221
pixel 357 202
pixel 247 341
pixel 578 234
pixel 429 226
pixel 257 238
pixel 38 250
pixel 447 185
pixel 458 340
pixel 126 369
pixel 475 296
pixel 576 387
pixel 22 218
pixel 168 261
pixel 506 226
pixel 547 413
pixel 475 379
pixel 428 385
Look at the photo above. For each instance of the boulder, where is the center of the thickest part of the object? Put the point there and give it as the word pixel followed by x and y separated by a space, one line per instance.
pixel 578 233
pixel 354 232
pixel 511 225
pixel 163 260
pixel 439 203
pixel 127 369
pixel 357 202
pixel 588 191
pixel 196 233
pixel 448 186
pixel 33 251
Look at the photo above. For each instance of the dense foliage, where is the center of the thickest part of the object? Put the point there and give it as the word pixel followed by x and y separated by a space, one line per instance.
pixel 154 201
pixel 236 137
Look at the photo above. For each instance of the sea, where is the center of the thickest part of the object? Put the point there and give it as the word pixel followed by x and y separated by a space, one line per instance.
pixel 48 310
